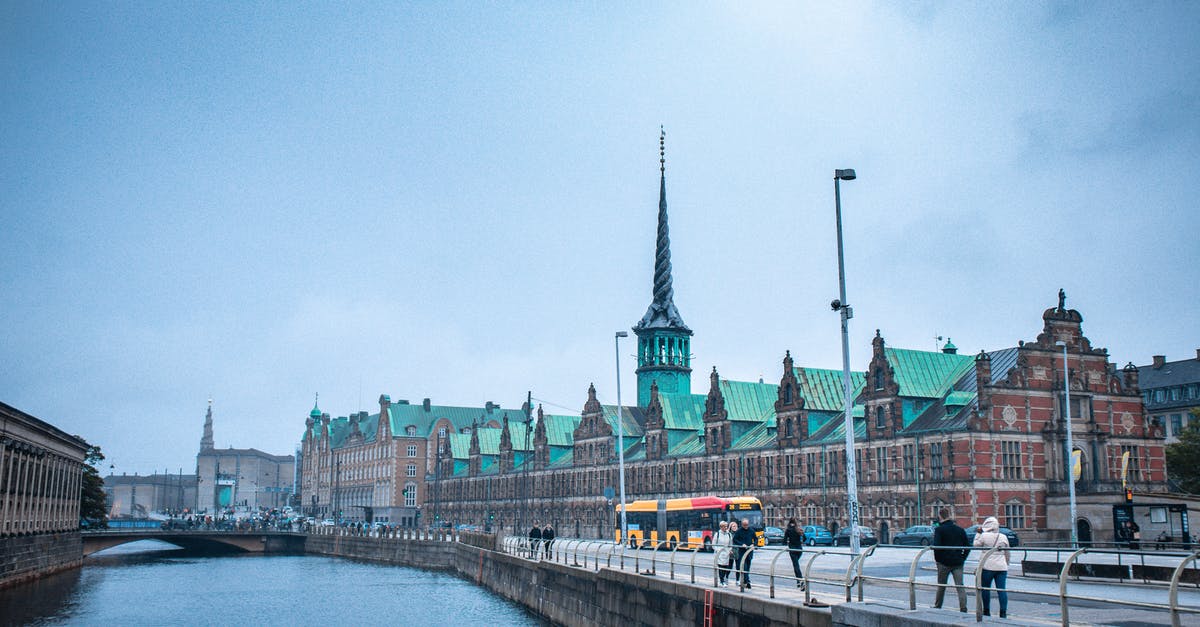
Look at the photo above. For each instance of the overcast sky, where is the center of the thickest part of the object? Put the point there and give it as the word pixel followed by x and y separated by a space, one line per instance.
pixel 458 201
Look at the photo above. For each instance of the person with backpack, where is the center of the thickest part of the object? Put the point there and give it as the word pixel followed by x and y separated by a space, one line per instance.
pixel 722 546
pixel 947 537
pixel 793 537
pixel 995 567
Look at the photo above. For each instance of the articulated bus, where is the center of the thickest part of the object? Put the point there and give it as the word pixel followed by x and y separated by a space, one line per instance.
pixel 690 523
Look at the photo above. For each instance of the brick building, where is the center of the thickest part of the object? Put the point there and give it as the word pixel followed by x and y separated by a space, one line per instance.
pixel 982 434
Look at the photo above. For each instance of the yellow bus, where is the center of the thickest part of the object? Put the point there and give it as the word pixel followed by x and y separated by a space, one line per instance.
pixel 689 522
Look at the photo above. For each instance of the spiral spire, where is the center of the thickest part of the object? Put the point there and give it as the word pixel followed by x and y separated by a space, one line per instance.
pixel 662 312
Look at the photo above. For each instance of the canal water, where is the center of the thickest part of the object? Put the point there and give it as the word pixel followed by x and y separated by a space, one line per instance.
pixel 140 584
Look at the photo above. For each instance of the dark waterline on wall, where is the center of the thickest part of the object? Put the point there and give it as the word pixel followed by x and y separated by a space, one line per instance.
pixel 138 584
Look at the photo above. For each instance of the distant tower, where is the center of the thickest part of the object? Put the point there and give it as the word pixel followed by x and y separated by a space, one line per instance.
pixel 206 442
pixel 664 341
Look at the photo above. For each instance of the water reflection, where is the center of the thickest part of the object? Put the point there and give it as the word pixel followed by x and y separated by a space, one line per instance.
pixel 145 585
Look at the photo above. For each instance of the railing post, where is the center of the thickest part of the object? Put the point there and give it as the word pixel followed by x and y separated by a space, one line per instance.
pixel 771 575
pixel 912 578
pixel 808 578
pixel 1062 587
pixel 1173 596
pixel 743 573
pixel 653 561
pixel 674 550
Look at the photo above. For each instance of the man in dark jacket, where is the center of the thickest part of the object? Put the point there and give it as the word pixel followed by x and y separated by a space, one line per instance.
pixel 949 559
pixel 535 538
pixel 744 541
pixel 547 538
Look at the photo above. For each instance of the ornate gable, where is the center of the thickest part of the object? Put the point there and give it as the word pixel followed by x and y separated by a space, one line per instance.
pixel 791 417
pixel 717 432
pixel 655 427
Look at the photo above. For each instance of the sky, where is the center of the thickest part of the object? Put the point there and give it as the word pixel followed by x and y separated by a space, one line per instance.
pixel 255 203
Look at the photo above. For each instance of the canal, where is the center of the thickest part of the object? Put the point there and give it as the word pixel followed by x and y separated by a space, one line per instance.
pixel 141 584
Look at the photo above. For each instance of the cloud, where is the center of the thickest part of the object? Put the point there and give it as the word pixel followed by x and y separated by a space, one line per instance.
pixel 1145 124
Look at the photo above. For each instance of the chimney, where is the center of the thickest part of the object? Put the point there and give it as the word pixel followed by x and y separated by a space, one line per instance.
pixel 1161 360
pixel 489 406
pixel 1198 353
pixel 425 404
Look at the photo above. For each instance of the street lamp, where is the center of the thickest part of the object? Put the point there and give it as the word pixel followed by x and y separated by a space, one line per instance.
pixel 621 437
pixel 1070 445
pixel 846 313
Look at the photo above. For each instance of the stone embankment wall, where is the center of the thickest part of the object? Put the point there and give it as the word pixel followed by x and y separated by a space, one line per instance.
pixel 570 595
pixel 23 558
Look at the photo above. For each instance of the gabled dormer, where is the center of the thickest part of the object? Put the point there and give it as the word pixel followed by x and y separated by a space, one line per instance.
pixel 541 443
pixel 593 436
pixel 385 420
pixel 475 461
pixel 717 430
pixel 655 426
pixel 881 397
pixel 790 416
pixel 506 447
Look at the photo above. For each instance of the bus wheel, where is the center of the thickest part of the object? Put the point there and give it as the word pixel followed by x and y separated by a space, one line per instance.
pixel 633 543
pixel 707 545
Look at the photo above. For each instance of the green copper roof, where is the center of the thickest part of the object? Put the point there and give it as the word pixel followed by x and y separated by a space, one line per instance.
pixel 629 419
pixel 682 411
pixel 822 388
pixel 560 430
pixel 926 374
pixel 753 402
pixel 460 445
pixel 759 437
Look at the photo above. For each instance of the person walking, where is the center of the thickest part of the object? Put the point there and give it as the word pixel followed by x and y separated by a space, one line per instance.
pixel 535 536
pixel 722 545
pixel 793 537
pixel 995 567
pixel 744 540
pixel 547 538
pixel 947 537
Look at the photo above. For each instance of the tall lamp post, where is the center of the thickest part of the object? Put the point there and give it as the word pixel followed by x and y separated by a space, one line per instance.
pixel 846 313
pixel 621 437
pixel 1070 445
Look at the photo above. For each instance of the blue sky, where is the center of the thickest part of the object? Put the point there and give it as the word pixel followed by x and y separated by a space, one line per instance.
pixel 457 201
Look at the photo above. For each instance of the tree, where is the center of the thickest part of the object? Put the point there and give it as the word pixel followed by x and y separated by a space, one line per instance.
pixel 1183 457
pixel 92 504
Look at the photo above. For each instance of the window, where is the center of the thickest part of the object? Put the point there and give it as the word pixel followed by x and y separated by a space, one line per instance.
pixel 880 418
pixel 412 450
pixel 787 394
pixel 810 469
pixel 1159 396
pixel 1135 471
pixel 858 465
pixel 910 514
pixel 879 378
pixel 1010 460
pixel 1175 393
pixel 411 471
pixel 1014 515
pixel 1176 424
pixel 788 426
pixel 881 462
pixel 410 495
pixel 935 461
pixel 910 462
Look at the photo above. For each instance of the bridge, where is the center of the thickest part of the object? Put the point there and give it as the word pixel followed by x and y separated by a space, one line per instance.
pixel 204 542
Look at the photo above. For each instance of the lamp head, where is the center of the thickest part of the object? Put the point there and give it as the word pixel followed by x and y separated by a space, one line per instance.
pixel 1061 343
pixel 845 175
pixel 622 334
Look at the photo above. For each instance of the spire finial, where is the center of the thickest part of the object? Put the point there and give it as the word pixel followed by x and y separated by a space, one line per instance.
pixel 662 150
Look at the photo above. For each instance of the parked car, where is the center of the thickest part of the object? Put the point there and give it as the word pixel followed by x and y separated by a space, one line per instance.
pixel 1013 540
pixel 817 535
pixel 917 534
pixel 866 537
pixel 774 535
pixel 328 522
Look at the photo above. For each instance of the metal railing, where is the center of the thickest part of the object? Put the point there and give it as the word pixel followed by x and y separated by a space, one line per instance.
pixel 569 551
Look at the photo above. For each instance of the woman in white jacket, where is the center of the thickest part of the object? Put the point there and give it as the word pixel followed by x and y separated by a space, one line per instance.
pixel 995 568
pixel 723 553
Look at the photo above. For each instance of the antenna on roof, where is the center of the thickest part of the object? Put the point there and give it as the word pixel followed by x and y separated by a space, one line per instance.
pixel 936 346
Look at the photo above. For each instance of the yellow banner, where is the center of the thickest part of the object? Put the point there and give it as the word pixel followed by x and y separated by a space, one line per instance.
pixel 1076 464
pixel 1124 467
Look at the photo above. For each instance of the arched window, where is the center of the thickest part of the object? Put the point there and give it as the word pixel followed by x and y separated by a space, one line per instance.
pixel 787 394
pixel 879 378
pixel 880 418
pixel 410 430
pixel 788 427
